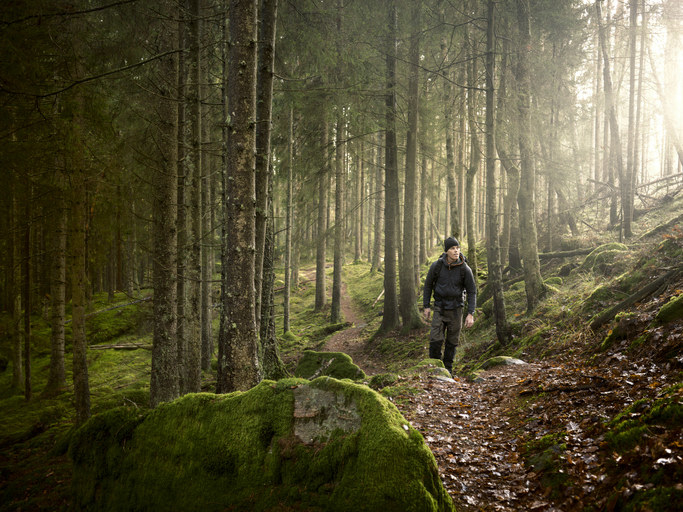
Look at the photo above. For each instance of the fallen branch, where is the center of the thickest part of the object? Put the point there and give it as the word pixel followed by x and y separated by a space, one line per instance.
pixel 378 297
pixel 609 314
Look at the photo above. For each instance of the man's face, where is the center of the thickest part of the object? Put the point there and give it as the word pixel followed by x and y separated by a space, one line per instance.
pixel 453 252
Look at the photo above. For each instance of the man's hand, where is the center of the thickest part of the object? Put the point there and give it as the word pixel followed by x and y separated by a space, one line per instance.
pixel 427 313
pixel 469 321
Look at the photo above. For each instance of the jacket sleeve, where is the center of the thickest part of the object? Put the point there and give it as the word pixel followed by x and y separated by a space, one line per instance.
pixel 471 288
pixel 426 301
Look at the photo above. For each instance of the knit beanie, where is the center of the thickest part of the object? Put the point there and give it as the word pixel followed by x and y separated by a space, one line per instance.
pixel 450 242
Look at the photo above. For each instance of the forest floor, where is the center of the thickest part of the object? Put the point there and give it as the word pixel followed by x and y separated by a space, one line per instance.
pixel 531 435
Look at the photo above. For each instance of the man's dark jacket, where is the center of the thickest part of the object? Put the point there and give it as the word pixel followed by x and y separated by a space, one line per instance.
pixel 448 289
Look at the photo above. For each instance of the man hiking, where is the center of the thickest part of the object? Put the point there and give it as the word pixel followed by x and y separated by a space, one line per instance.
pixel 448 278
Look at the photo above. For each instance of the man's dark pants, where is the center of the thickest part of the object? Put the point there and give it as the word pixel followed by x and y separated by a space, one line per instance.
pixel 446 326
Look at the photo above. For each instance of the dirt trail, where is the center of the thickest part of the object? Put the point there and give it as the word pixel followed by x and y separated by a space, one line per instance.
pixel 348 340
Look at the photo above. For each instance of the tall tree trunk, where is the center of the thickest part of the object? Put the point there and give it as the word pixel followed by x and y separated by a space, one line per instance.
pixel 475 158
pixel 264 103
pixel 238 364
pixel 339 219
pixel 360 203
pixel 627 190
pixel 184 174
pixel 273 367
pixel 495 280
pixel 26 302
pixel 450 158
pixel 423 258
pixel 507 253
pixel 15 285
pixel 408 290
pixel 208 162
pixel 390 318
pixel 335 312
pixel 194 275
pixel 164 380
pixel 288 224
pixel 527 222
pixel 321 242
pixel 379 206
pixel 57 377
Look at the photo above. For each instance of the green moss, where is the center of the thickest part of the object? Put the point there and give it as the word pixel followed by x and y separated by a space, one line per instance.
pixel 104 326
pixel 672 310
pixel 661 499
pixel 241 451
pixel 554 281
pixel 629 427
pixel 545 456
pixel 603 253
pixel 383 380
pixel 332 364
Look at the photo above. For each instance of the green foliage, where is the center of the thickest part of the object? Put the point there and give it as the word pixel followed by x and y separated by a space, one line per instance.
pixel 602 258
pixel 225 450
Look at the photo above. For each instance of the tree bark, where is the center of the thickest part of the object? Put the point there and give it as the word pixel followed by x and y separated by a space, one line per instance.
pixel 450 157
pixel 321 242
pixel 527 222
pixel 495 280
pixel 26 303
pixel 475 159
pixel 408 290
pixel 627 187
pixel 379 206
pixel 335 313
pixel 164 380
pixel 238 364
pixel 15 286
pixel 57 378
pixel 390 318
pixel 193 363
pixel 288 223
pixel 264 103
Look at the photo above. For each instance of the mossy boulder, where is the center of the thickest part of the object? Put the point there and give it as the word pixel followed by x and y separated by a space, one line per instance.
pixel 331 364
pixel 501 360
pixel 672 310
pixel 430 367
pixel 288 445
pixel 602 257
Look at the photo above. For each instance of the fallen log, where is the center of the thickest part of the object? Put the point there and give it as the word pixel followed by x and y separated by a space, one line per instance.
pixel 610 313
pixel 565 254
pixel 126 346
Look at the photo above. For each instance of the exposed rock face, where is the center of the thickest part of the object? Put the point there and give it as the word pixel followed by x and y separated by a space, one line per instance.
pixel 325 445
pixel 319 413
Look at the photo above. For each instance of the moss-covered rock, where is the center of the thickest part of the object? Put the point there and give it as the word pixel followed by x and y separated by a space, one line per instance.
pixel 500 360
pixel 331 364
pixel 672 310
pixel 603 256
pixel 382 380
pixel 287 445
pixel 430 367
